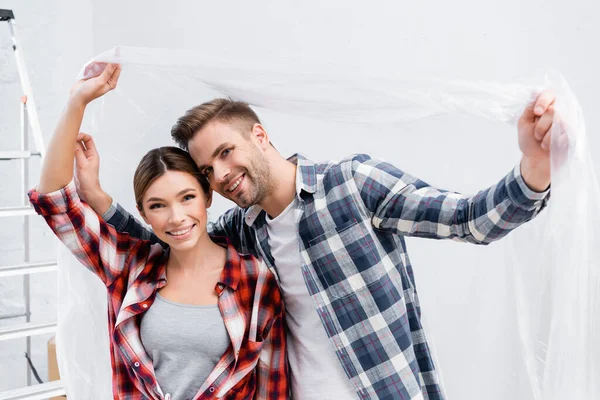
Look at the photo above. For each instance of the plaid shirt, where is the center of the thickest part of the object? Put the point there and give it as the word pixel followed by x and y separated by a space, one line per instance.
pixel 355 215
pixel 133 270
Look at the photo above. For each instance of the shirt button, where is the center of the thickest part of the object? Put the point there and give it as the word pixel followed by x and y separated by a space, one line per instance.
pixel 136 364
pixel 145 305
pixel 212 389
pixel 220 286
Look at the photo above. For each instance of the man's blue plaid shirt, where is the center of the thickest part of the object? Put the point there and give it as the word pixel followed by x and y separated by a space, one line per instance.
pixel 355 214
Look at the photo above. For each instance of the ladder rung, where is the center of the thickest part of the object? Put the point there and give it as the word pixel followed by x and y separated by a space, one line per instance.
pixel 17 154
pixel 36 392
pixel 16 211
pixel 28 268
pixel 10 316
pixel 25 330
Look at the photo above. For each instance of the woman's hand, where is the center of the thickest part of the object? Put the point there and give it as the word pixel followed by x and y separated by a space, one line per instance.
pixel 88 89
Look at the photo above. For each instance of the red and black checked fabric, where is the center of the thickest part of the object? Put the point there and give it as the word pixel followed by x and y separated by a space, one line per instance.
pixel 133 270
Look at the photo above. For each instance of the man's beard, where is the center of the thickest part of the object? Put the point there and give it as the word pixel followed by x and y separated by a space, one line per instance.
pixel 259 182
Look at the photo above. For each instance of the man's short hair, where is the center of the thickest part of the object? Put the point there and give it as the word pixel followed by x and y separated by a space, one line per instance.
pixel 222 110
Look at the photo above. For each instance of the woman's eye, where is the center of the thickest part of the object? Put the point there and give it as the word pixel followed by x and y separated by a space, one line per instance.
pixel 155 206
pixel 188 197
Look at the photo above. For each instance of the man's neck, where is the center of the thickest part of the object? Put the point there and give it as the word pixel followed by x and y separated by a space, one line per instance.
pixel 284 188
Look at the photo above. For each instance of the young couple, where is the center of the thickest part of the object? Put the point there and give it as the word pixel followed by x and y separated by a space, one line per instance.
pixel 196 310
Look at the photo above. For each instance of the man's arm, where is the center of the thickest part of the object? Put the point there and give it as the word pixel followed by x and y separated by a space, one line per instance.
pixel 231 224
pixel 123 221
pixel 535 129
pixel 404 204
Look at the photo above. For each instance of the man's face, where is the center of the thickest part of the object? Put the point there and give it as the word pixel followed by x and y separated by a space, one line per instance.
pixel 234 164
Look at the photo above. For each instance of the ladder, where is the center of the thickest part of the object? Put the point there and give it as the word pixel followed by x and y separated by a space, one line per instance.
pixel 29 118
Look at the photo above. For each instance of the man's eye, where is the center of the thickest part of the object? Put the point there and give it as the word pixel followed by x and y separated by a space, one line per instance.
pixel 226 152
pixel 207 171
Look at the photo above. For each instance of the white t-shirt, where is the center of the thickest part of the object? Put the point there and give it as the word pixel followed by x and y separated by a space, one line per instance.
pixel 316 372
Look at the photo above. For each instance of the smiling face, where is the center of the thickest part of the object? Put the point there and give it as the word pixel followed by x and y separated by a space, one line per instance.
pixel 233 162
pixel 175 206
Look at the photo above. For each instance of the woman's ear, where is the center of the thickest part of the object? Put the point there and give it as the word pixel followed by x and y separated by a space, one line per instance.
pixel 142 214
pixel 209 197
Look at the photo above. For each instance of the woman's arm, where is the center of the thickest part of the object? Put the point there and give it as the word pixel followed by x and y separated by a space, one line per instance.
pixel 57 170
pixel 96 244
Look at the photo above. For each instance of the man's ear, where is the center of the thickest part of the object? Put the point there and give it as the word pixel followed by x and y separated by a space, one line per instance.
pixel 142 214
pixel 260 134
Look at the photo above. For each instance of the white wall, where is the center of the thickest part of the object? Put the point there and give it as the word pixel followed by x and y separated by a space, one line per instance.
pixel 56 39
pixel 464 39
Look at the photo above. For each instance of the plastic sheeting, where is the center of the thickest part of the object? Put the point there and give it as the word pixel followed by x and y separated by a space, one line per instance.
pixel 523 314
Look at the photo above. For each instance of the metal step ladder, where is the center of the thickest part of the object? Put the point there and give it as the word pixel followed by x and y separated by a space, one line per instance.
pixel 29 118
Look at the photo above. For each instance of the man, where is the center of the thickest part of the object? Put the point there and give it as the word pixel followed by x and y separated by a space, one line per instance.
pixel 333 233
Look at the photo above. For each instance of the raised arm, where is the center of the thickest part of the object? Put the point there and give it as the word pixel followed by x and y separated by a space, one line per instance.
pixel 87 172
pixel 57 170
pixel 535 129
pixel 96 244
pixel 403 204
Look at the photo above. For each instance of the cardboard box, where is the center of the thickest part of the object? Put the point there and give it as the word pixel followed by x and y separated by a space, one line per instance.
pixel 53 365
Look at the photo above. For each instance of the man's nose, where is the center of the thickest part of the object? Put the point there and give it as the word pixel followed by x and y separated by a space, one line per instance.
pixel 221 173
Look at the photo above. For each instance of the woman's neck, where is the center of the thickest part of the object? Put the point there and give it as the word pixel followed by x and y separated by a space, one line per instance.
pixel 206 256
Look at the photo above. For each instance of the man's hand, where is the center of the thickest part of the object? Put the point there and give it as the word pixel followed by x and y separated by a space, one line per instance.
pixel 87 174
pixel 535 127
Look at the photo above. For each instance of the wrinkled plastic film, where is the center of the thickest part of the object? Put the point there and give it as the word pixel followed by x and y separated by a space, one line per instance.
pixel 556 275
pixel 551 307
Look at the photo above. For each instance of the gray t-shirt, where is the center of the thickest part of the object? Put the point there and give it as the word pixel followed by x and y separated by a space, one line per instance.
pixel 185 342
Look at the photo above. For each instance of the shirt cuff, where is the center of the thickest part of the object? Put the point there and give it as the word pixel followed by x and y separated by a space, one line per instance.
pixel 111 211
pixel 57 202
pixel 522 194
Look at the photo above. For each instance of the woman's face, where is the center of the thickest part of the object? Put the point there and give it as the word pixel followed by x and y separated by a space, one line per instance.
pixel 175 206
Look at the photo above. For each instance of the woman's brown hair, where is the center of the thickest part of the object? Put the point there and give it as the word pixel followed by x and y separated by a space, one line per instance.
pixel 158 161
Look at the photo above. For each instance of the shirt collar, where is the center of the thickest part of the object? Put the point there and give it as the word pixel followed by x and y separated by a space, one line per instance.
pixel 306 180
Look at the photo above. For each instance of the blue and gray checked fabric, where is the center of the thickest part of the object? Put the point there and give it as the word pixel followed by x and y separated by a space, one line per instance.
pixel 355 214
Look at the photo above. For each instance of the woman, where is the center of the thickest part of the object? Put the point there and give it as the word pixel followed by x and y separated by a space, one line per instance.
pixel 197 321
